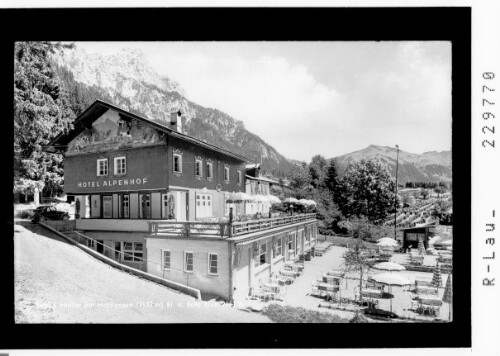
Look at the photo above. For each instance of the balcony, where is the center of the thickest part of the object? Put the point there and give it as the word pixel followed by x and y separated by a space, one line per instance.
pixel 221 230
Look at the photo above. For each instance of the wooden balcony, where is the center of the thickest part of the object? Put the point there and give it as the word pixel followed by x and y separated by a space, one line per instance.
pixel 221 230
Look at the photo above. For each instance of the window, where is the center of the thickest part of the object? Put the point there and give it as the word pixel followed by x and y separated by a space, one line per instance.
pixel 118 247
pixel 239 177
pixel 102 167
pixel 290 242
pixel 90 243
pixel 226 174
pixel 177 163
pixel 132 251
pixel 107 206
pixel 263 253
pixel 203 205
pixel 164 205
pixel 210 171
pixel 166 259
pixel 125 206
pixel 120 166
pixel 279 247
pixel 198 170
pixel 188 261
pixel 212 263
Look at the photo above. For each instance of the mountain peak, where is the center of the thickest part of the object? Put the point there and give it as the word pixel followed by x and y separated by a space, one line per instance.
pixel 426 167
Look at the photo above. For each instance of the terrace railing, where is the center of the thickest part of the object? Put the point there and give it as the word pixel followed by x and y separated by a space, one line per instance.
pixel 221 229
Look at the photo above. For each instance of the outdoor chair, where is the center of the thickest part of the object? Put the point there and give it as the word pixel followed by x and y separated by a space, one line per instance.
pixel 314 288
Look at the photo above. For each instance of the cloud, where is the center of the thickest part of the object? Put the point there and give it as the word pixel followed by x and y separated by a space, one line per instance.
pixel 278 100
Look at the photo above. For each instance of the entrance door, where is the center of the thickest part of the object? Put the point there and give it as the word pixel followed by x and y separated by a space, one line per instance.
pixel 145 206
pixel 107 206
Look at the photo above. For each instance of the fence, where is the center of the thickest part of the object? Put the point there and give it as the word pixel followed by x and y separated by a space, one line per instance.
pixel 222 229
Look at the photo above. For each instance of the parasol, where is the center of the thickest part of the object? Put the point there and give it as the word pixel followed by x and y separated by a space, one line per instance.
pixel 239 197
pixel 391 279
pixel 290 201
pixel 273 199
pixel 389 266
pixel 302 202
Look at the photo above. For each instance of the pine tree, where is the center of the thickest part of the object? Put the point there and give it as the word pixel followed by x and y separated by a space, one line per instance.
pixel 40 113
pixel 331 179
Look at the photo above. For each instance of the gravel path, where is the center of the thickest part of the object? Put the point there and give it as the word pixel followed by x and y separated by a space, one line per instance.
pixel 56 282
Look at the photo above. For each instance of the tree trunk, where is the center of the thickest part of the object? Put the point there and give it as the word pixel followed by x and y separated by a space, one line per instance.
pixel 360 283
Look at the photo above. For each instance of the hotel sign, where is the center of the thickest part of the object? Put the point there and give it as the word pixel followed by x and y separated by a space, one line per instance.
pixel 132 182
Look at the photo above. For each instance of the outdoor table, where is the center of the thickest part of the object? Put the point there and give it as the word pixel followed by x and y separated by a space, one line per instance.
pixel 294 266
pixel 328 287
pixel 273 288
pixel 426 290
pixel 429 300
pixel 331 279
pixel 423 283
pixel 289 273
pixel 339 274
pixel 372 293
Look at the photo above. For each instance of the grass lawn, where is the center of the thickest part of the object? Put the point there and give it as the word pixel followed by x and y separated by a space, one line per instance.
pixel 288 314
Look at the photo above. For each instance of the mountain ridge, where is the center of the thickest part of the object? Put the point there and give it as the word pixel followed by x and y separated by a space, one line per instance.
pixel 430 166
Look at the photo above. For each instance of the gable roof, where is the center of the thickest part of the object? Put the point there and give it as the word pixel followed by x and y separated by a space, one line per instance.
pixel 99 107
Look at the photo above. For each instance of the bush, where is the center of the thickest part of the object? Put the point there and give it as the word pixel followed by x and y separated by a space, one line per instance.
pixel 288 314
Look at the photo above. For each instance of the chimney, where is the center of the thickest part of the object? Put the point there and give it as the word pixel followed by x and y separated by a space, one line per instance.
pixel 175 120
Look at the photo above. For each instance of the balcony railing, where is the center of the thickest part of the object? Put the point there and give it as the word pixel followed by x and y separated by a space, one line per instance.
pixel 221 229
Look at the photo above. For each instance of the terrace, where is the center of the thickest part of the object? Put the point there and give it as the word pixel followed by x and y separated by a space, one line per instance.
pixel 222 229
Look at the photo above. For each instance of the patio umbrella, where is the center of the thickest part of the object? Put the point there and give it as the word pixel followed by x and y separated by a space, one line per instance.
pixel 290 201
pixel 391 279
pixel 259 198
pixel 387 243
pixel 312 202
pixel 302 202
pixel 389 266
pixel 239 197
pixel 436 277
pixel 448 294
pixel 273 199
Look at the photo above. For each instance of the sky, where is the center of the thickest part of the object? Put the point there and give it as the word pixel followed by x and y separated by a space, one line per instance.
pixel 308 98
